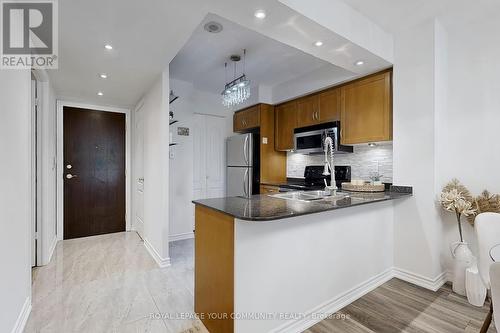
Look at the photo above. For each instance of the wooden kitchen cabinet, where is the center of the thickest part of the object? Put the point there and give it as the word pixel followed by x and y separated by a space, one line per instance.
pixel 285 123
pixel 268 189
pixel 308 111
pixel 329 105
pixel 366 110
pixel 246 119
pixel 261 119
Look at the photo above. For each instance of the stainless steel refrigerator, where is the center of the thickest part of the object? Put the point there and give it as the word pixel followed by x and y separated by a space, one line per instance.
pixel 242 165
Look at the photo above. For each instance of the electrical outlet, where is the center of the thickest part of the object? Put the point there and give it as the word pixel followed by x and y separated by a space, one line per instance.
pixel 264 140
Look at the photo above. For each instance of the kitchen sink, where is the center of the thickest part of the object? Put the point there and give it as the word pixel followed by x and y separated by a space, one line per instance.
pixel 308 196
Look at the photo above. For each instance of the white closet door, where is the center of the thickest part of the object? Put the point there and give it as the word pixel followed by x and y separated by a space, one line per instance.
pixel 199 153
pixel 209 143
pixel 215 140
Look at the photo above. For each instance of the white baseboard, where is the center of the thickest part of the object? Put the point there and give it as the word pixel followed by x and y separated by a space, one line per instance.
pixel 420 280
pixel 178 237
pixel 339 302
pixel 22 319
pixel 162 262
pixel 335 304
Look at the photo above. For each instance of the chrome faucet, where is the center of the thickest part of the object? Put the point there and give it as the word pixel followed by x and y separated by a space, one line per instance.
pixel 328 146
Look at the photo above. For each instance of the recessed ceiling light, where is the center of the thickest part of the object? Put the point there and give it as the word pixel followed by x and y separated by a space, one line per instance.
pixel 360 63
pixel 103 76
pixel 213 27
pixel 318 43
pixel 260 14
pixel 100 93
pixel 108 47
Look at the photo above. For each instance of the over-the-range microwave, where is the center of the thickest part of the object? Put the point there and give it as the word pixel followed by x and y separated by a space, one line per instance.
pixel 310 140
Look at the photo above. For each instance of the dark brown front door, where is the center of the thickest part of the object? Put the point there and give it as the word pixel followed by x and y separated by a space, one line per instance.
pixel 94 172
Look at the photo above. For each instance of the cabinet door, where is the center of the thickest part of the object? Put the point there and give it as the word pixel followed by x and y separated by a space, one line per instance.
pixel 366 110
pixel 246 119
pixel 329 106
pixel 286 121
pixel 267 189
pixel 308 111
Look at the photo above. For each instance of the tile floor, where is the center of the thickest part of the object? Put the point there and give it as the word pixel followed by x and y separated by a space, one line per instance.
pixel 110 283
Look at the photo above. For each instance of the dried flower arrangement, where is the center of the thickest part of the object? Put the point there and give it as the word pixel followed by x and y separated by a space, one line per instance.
pixel 456 198
pixel 487 202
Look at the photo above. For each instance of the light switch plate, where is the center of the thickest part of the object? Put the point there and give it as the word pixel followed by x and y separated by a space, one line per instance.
pixel 264 140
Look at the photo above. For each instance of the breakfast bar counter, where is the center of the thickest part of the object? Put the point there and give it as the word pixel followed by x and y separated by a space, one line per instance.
pixel 271 207
pixel 278 263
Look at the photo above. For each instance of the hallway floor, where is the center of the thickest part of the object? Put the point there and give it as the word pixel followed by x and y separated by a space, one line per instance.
pixel 110 283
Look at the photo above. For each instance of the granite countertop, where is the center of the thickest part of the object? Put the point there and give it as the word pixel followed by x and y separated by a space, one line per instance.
pixel 266 208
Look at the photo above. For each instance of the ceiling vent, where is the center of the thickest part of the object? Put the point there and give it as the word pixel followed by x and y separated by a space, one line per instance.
pixel 213 27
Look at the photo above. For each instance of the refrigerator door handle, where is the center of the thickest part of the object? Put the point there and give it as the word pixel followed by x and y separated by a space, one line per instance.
pixel 245 150
pixel 245 183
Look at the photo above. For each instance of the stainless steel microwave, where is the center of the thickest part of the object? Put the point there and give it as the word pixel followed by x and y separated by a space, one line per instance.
pixel 310 140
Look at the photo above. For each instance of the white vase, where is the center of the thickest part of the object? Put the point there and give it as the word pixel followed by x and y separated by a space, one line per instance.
pixel 462 259
pixel 476 291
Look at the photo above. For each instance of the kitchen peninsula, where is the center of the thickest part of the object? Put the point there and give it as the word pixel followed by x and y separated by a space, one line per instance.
pixel 275 263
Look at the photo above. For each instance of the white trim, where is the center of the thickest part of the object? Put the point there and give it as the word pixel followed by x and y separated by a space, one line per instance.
pixel 23 316
pixel 162 262
pixel 335 304
pixel 178 237
pixel 60 162
pixel 420 280
pixel 52 248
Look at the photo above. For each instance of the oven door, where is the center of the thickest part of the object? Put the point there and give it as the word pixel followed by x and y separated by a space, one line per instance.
pixel 309 142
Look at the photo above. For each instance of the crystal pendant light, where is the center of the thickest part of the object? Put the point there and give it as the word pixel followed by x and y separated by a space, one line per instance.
pixel 238 90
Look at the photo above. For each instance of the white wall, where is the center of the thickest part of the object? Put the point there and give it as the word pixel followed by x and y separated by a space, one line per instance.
pixel 316 263
pixel 190 101
pixel 417 230
pixel 15 177
pixel 468 136
pixel 156 168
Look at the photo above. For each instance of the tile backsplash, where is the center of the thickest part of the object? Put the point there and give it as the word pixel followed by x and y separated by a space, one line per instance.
pixel 363 162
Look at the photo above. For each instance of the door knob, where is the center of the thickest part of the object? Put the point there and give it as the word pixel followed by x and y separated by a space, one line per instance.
pixel 70 176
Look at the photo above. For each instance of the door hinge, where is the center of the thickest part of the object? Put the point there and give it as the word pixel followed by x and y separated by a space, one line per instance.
pixel 36 235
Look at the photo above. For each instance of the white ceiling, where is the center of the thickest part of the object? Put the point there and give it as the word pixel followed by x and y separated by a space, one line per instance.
pixel 268 62
pixel 394 15
pixel 147 35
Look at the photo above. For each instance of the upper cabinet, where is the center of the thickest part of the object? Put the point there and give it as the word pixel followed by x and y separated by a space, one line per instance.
pixel 308 111
pixel 329 105
pixel 286 122
pixel 246 119
pixel 319 108
pixel 366 107
pixel 363 107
